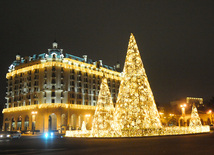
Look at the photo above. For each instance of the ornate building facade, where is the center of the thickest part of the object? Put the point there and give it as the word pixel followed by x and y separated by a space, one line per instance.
pixel 55 91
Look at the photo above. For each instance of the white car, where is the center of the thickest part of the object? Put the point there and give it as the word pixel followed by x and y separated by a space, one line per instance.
pixel 9 134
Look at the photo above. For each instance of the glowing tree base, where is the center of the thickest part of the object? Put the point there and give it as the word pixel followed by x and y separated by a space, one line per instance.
pixel 145 132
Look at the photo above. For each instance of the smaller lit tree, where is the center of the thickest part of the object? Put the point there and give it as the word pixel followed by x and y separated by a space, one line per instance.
pixel 195 119
pixel 103 117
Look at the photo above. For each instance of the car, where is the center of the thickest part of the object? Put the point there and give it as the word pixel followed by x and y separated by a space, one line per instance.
pixel 211 127
pixel 9 134
pixel 53 134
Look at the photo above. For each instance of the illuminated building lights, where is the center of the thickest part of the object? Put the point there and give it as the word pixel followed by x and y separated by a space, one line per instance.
pixel 91 68
pixel 49 105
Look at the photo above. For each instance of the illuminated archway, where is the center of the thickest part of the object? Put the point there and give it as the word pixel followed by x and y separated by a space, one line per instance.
pixel 13 123
pixel 19 123
pixel 52 122
pixel 26 122
pixel 80 120
pixel 73 121
pixel 6 125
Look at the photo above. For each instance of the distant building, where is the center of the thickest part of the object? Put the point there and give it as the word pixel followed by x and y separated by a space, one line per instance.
pixel 55 91
pixel 189 101
pixel 184 119
pixel 197 101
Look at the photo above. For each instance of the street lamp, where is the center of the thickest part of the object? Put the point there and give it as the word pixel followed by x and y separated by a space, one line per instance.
pixel 171 115
pixel 183 106
pixel 210 112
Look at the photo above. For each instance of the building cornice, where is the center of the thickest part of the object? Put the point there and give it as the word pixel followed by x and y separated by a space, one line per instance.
pixel 71 64
pixel 48 106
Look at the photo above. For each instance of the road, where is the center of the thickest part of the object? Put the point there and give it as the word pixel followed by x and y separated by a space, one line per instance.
pixel 185 145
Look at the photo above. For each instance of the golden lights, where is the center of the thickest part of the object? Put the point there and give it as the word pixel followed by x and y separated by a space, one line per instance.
pixel 103 117
pixel 49 105
pixel 70 64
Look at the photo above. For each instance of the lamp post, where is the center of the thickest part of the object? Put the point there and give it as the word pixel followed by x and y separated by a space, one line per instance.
pixel 210 112
pixel 183 106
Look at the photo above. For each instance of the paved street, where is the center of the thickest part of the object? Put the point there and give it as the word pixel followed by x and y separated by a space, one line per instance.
pixel 186 144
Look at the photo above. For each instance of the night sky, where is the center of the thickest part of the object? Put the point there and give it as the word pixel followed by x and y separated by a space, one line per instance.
pixel 175 38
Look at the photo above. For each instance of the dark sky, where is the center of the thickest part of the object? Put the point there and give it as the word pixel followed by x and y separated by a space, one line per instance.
pixel 175 38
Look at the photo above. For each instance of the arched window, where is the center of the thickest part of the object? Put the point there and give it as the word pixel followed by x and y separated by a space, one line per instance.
pixel 19 123
pixel 73 121
pixel 63 120
pixel 26 122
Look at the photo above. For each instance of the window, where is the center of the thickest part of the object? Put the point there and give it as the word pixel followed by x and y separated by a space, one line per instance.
pixel 35 102
pixel 85 79
pixel 53 68
pixel 85 90
pixel 36 70
pixel 78 90
pixel 72 77
pixel 53 94
pixel 36 83
pixel 53 81
pixel 79 96
pixel 86 85
pixel 72 96
pixel 72 83
pixel 72 71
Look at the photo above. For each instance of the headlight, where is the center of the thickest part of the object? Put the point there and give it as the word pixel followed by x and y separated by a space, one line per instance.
pixel 1 135
pixel 46 135
pixel 8 135
pixel 51 133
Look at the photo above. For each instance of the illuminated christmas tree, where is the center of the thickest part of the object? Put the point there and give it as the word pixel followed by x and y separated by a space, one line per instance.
pixel 103 117
pixel 195 120
pixel 135 107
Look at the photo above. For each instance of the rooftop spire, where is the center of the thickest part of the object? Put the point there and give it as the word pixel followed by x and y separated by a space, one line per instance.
pixel 55 45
